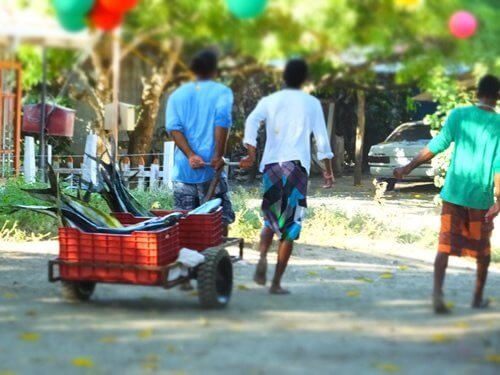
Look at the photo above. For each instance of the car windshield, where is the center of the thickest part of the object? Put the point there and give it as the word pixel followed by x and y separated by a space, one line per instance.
pixel 410 133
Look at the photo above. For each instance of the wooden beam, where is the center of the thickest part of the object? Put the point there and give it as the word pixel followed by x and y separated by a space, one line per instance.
pixel 360 136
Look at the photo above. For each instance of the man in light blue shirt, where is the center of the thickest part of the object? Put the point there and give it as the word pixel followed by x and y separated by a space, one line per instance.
pixel 198 119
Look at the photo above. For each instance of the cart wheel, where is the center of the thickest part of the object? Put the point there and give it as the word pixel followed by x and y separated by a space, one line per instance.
pixel 77 290
pixel 215 279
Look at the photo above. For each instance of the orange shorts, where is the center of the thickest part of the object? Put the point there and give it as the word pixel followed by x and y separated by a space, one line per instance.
pixel 464 231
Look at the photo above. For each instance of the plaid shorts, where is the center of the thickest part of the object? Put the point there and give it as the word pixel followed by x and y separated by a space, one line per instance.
pixel 464 232
pixel 189 196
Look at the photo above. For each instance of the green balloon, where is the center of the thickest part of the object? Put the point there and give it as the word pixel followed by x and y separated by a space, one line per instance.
pixel 73 6
pixel 72 22
pixel 246 9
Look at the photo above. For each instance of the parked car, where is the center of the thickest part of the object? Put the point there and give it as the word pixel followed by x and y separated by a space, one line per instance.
pixel 400 147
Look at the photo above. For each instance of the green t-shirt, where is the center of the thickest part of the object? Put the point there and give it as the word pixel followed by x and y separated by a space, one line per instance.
pixel 476 157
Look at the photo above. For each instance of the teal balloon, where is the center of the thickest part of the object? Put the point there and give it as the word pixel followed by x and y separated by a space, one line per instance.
pixel 246 9
pixel 73 6
pixel 72 22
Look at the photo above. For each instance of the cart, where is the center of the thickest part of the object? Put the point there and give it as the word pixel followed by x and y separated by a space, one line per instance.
pixel 146 258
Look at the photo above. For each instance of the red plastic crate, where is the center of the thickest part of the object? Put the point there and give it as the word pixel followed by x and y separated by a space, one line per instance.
pixel 196 232
pixel 156 248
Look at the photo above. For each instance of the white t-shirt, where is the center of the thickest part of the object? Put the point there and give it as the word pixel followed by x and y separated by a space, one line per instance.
pixel 291 116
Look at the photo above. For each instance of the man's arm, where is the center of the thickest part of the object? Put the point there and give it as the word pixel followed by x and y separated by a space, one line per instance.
pixel 495 209
pixel 323 145
pixel 180 141
pixel 223 121
pixel 252 126
pixel 424 156
pixel 220 147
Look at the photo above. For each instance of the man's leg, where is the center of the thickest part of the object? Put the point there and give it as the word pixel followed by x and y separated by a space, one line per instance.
pixel 440 265
pixel 482 273
pixel 266 239
pixel 284 252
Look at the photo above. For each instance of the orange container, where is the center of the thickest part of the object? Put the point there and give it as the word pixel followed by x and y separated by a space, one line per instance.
pixel 157 248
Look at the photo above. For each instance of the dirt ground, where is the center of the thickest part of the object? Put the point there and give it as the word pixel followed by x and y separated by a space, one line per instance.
pixel 360 307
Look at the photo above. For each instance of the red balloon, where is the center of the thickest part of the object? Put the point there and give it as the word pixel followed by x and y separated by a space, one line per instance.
pixel 462 24
pixel 104 19
pixel 119 6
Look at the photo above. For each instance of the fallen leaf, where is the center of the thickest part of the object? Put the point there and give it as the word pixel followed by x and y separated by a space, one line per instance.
pixel 204 322
pixel 30 336
pixel 389 368
pixel 82 362
pixel 242 287
pixel 8 295
pixel 493 358
pixel 403 268
pixel 331 268
pixel 441 338
pixel 386 275
pixel 462 325
pixel 151 362
pixel 108 340
pixel 353 293
pixel 145 333
pixel 364 279
pixel 312 273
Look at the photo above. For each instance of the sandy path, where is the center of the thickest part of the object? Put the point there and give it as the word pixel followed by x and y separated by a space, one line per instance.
pixel 347 315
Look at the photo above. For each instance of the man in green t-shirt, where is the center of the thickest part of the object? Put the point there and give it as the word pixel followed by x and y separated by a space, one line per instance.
pixel 472 183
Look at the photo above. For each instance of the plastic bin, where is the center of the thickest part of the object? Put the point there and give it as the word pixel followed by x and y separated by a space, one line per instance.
pixel 157 248
pixel 196 232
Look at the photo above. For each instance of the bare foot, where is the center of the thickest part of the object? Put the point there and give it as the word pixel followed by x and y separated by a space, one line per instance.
pixel 439 305
pixel 278 290
pixel 481 303
pixel 260 272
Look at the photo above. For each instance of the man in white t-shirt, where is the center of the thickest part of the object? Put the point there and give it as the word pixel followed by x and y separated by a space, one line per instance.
pixel 291 116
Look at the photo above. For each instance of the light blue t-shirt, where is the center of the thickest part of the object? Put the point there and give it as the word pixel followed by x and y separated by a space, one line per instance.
pixel 195 109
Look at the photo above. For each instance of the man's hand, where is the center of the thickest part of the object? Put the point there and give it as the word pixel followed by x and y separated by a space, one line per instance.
pixel 400 172
pixel 329 180
pixel 218 163
pixel 492 212
pixel 247 162
pixel 196 162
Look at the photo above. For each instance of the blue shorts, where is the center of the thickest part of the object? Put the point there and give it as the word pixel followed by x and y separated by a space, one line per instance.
pixel 189 196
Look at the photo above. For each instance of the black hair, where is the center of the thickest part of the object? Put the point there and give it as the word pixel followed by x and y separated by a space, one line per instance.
pixel 488 87
pixel 295 73
pixel 204 63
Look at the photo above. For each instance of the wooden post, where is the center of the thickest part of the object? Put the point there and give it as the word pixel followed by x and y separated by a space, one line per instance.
pixel 29 159
pixel 140 180
pixel 154 175
pixel 168 163
pixel 116 88
pixel 89 167
pixel 360 136
pixel 125 167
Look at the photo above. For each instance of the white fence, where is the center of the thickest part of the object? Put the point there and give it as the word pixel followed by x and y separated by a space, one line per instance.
pixel 155 174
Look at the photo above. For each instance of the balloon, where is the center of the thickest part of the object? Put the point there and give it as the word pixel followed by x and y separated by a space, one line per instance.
pixel 463 24
pixel 246 9
pixel 119 6
pixel 72 22
pixel 73 6
pixel 104 19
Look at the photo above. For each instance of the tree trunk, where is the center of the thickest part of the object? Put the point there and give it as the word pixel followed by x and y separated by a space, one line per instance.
pixel 154 86
pixel 360 136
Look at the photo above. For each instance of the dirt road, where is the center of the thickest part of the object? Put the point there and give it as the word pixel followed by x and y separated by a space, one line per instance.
pixel 359 311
